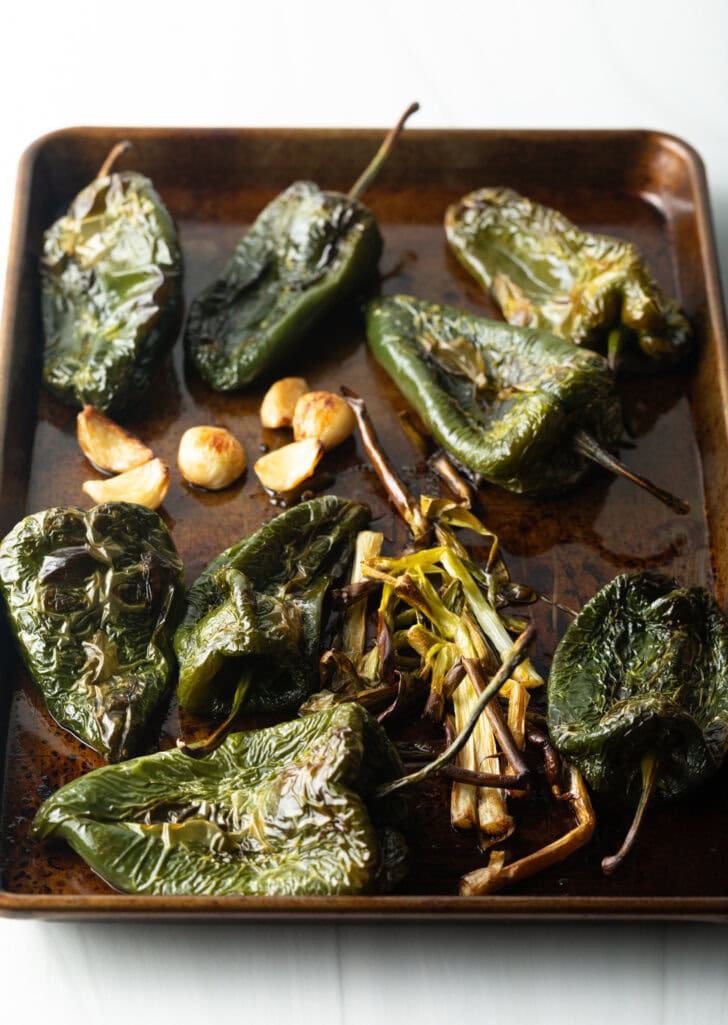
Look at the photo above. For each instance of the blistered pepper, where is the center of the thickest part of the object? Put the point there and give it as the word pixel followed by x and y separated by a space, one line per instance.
pixel 638 691
pixel 280 811
pixel 307 250
pixel 250 636
pixel 93 599
pixel 594 290
pixel 518 406
pixel 111 291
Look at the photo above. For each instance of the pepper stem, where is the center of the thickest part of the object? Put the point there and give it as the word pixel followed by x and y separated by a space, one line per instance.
pixel 588 446
pixel 372 169
pixel 116 151
pixel 513 659
pixel 649 766
pixel 614 344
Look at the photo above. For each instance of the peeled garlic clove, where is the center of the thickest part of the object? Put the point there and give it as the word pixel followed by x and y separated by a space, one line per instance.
pixel 323 415
pixel 280 400
pixel 286 467
pixel 107 445
pixel 145 485
pixel 210 457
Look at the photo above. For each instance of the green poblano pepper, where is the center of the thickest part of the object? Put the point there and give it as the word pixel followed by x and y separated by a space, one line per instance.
pixel 545 272
pixel 111 292
pixel 306 252
pixel 280 811
pixel 643 667
pixel 93 599
pixel 505 402
pixel 638 692
pixel 251 632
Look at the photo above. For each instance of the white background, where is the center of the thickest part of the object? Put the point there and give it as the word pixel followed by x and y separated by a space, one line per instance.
pixel 611 63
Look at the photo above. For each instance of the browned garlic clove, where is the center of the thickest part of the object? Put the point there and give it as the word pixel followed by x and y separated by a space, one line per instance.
pixel 107 445
pixel 323 415
pixel 210 457
pixel 285 468
pixel 280 401
pixel 144 485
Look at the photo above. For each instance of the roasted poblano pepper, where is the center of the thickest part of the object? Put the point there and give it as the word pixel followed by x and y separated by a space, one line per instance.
pixel 307 250
pixel 251 632
pixel 111 291
pixel 280 811
pixel 545 272
pixel 505 402
pixel 638 690
pixel 93 599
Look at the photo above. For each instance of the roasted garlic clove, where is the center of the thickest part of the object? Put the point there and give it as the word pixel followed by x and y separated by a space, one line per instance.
pixel 145 485
pixel 280 401
pixel 210 457
pixel 107 445
pixel 286 467
pixel 323 415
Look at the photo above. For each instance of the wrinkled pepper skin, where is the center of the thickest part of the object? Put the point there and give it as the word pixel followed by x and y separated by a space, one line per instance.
pixel 276 812
pixel 93 600
pixel 111 293
pixel 257 609
pixel 545 272
pixel 503 401
pixel 642 668
pixel 306 252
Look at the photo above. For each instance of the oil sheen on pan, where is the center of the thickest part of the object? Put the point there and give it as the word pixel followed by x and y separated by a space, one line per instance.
pixel 568 546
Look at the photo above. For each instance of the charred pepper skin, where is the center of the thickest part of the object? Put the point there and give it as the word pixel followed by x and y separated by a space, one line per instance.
pixel 642 669
pixel 307 251
pixel 504 401
pixel 257 609
pixel 111 275
pixel 274 812
pixel 93 599
pixel 545 272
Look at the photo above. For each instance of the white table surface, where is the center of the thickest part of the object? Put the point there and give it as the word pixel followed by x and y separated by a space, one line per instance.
pixel 554 64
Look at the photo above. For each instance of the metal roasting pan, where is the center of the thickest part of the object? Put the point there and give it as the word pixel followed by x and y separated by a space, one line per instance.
pixel 641 185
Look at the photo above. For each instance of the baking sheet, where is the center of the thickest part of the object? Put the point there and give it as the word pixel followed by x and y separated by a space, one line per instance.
pixel 641 186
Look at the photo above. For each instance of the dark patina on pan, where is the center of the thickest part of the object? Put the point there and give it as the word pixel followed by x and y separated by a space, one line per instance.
pixel 643 186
